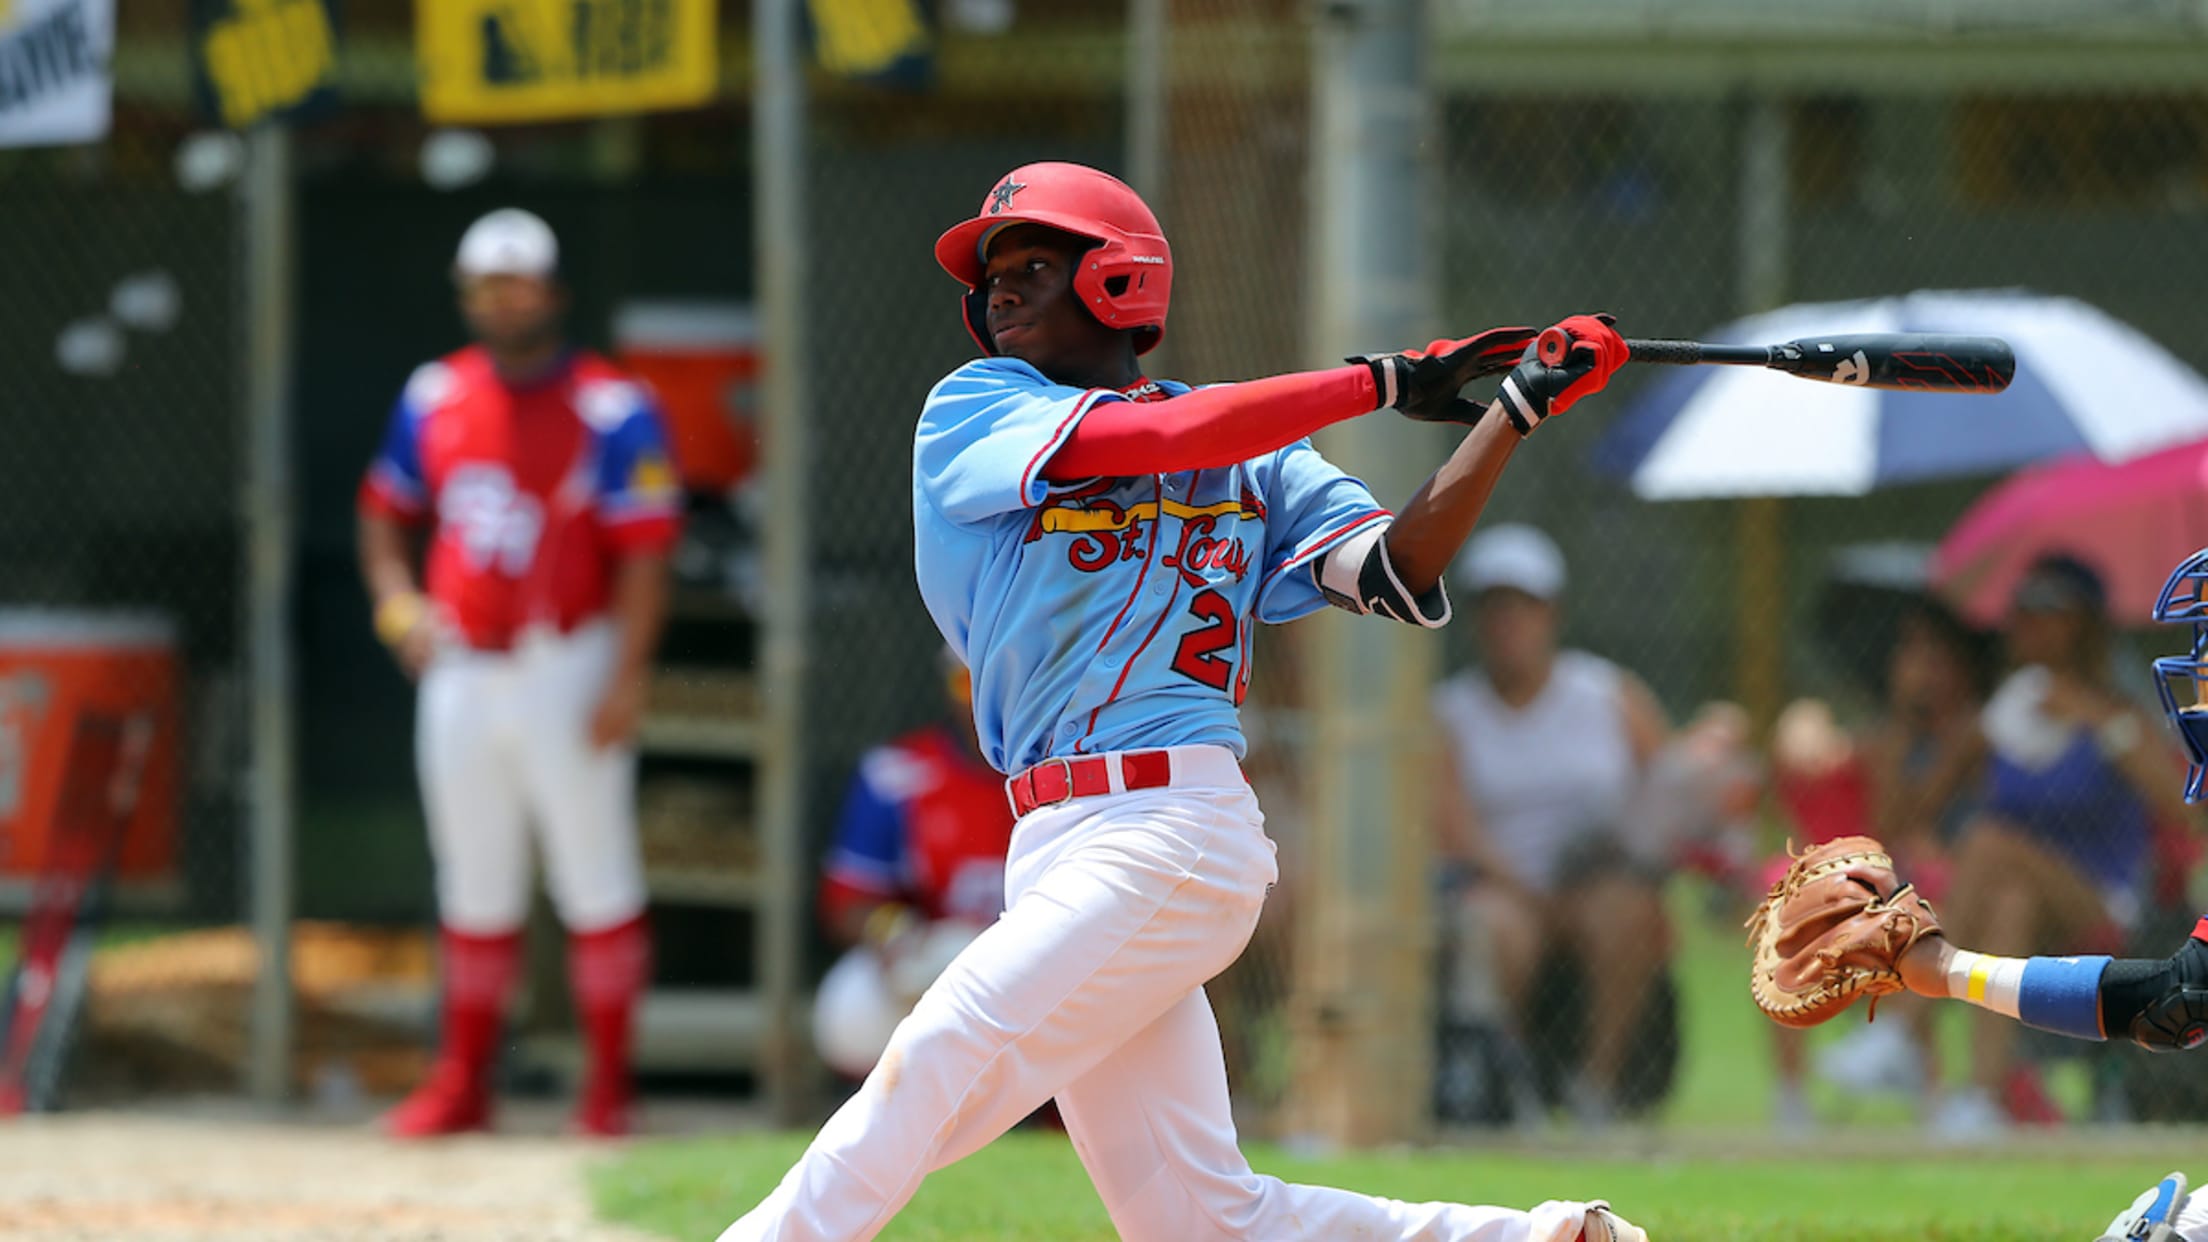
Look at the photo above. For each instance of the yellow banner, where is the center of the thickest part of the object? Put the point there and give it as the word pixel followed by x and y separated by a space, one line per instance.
pixel 261 57
pixel 486 61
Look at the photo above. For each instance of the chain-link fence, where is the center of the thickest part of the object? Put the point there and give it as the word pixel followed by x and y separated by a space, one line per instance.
pixel 123 683
pixel 1675 176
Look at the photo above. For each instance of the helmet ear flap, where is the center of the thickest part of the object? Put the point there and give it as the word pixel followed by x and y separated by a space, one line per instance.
pixel 974 309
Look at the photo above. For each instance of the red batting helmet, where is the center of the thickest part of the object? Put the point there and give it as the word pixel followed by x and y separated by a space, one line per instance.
pixel 1125 280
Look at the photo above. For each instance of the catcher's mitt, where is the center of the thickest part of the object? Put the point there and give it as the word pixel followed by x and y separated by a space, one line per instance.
pixel 1834 928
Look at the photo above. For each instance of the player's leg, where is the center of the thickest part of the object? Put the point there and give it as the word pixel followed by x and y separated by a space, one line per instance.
pixel 471 792
pixel 1154 1128
pixel 583 800
pixel 1120 906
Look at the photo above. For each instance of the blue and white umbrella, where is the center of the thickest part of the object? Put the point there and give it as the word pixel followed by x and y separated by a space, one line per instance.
pixel 2085 383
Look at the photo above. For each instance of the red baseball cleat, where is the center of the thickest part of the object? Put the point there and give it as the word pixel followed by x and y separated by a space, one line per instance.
pixel 446 1104
pixel 603 1113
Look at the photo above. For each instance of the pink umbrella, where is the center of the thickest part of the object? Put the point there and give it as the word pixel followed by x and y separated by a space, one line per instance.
pixel 2133 522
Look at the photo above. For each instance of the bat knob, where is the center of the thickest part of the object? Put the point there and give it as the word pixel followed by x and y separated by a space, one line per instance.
pixel 1552 346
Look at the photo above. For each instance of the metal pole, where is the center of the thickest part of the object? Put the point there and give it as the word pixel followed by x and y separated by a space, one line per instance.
pixel 1146 124
pixel 1363 991
pixel 1758 524
pixel 265 200
pixel 779 240
pixel 1146 53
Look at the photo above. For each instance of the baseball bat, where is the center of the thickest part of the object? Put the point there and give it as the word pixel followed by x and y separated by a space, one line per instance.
pixel 1914 362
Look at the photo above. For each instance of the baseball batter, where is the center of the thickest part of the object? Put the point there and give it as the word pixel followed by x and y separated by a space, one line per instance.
pixel 1098 546
pixel 543 476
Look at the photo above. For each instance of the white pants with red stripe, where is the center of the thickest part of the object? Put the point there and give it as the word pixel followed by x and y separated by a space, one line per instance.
pixel 1089 989
pixel 502 745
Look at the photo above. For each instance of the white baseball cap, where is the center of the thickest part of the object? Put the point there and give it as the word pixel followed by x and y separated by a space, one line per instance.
pixel 508 242
pixel 1512 555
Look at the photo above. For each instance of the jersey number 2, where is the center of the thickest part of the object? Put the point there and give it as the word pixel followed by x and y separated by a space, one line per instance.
pixel 1198 657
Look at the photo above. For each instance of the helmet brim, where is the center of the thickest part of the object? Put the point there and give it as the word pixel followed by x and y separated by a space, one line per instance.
pixel 959 249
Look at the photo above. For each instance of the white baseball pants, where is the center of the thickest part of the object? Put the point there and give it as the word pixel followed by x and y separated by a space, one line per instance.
pixel 1089 988
pixel 501 742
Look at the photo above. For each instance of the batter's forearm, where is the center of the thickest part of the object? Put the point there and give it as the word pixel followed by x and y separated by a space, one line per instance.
pixel 639 610
pixel 1434 523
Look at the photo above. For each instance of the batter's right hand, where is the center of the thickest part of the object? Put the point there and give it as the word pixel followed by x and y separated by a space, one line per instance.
pixel 1588 351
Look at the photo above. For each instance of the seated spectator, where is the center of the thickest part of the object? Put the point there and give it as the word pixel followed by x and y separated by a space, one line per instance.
pixel 1549 748
pixel 916 871
pixel 2056 858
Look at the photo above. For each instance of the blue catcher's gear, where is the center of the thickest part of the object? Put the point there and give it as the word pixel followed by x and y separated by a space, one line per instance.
pixel 2182 681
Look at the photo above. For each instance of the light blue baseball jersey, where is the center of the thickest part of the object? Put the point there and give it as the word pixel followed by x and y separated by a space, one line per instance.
pixel 1112 614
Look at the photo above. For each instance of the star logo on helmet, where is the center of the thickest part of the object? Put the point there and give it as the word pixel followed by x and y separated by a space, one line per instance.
pixel 1001 197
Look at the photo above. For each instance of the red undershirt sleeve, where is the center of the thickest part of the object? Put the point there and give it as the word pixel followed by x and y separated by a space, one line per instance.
pixel 1211 426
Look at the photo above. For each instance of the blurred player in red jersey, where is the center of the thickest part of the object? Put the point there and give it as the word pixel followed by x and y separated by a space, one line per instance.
pixel 915 873
pixel 542 476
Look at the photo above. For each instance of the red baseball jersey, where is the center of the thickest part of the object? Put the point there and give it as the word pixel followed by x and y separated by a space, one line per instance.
pixel 536 490
pixel 926 823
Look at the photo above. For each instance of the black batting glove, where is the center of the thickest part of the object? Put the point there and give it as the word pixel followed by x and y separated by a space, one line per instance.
pixel 1424 383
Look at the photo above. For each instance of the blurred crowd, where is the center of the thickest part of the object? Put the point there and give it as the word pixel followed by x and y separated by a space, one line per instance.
pixel 2013 776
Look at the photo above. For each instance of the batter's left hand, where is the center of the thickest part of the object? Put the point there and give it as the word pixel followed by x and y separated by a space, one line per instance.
pixel 1424 383
pixel 614 722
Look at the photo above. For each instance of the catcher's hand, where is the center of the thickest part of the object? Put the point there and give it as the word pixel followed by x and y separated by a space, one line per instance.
pixel 1833 929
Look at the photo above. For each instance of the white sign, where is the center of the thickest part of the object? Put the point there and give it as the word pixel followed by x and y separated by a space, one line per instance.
pixel 55 83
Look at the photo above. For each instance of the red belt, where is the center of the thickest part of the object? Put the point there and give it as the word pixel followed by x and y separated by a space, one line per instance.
pixel 1055 780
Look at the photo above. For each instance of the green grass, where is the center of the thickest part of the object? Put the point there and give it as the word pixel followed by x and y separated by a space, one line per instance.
pixel 1028 1187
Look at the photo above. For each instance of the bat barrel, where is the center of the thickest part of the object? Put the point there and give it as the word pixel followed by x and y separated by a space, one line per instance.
pixel 1910 362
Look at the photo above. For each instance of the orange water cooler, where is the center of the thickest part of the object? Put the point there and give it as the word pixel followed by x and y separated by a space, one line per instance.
pixel 55 668
pixel 702 358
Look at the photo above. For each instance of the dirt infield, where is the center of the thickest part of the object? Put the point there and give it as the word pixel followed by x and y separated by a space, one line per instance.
pixel 107 1177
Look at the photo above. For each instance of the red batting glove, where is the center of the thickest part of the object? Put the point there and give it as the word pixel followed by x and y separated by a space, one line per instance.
pixel 1590 340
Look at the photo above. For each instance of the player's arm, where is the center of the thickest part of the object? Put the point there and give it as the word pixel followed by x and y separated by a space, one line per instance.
pixel 1440 515
pixel 1395 569
pixel 1434 523
pixel 401 614
pixel 392 502
pixel 1231 423
pixel 639 615
pixel 2161 1004
pixel 640 515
